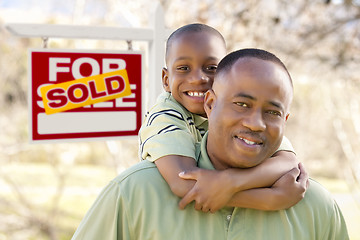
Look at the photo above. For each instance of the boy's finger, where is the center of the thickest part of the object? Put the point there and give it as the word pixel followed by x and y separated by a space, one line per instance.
pixel 302 169
pixel 188 198
pixel 190 175
pixel 294 172
pixel 303 177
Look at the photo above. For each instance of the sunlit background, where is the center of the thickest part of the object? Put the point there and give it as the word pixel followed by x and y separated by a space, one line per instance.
pixel 45 189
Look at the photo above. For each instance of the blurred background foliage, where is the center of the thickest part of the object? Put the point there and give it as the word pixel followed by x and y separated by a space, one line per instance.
pixel 45 189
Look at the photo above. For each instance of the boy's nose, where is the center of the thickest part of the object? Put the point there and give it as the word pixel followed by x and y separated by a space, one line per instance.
pixel 205 78
pixel 200 77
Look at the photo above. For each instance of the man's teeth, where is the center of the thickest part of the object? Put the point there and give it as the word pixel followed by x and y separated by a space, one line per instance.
pixel 196 94
pixel 248 141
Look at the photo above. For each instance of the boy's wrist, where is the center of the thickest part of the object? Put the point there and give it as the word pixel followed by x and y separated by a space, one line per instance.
pixel 235 182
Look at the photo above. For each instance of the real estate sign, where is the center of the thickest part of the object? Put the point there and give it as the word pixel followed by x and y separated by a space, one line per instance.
pixel 83 95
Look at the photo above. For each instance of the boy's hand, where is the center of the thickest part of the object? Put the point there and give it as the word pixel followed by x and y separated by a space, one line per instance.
pixel 290 188
pixel 211 191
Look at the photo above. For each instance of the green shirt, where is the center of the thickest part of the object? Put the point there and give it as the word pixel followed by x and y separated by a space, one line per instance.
pixel 139 205
pixel 170 129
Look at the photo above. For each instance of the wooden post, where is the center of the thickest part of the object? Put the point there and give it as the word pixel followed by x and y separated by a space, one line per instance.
pixel 155 36
pixel 156 54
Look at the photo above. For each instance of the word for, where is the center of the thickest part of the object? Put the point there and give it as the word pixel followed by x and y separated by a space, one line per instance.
pixel 60 65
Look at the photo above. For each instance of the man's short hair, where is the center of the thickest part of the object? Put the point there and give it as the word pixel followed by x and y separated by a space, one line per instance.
pixel 227 62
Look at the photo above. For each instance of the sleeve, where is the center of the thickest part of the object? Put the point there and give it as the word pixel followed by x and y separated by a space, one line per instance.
pixel 166 132
pixel 106 219
pixel 286 146
pixel 336 229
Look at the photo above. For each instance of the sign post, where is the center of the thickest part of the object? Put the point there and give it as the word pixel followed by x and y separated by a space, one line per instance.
pixel 155 36
pixel 83 95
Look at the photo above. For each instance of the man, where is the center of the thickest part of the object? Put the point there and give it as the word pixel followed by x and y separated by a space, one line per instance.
pixel 247 111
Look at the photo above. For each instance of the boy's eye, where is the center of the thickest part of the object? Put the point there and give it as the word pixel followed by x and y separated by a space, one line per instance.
pixel 182 68
pixel 211 68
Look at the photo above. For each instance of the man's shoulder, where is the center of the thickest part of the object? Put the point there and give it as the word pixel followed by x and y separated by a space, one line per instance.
pixel 137 172
pixel 318 196
pixel 139 183
pixel 317 189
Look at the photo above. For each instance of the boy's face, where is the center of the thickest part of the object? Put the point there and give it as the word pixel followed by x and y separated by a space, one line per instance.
pixel 247 110
pixel 191 64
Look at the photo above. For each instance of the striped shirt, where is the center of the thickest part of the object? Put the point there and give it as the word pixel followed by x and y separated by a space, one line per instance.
pixel 170 129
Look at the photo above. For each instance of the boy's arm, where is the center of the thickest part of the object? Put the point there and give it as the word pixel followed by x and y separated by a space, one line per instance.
pixel 170 166
pixel 168 140
pixel 209 185
pixel 264 174
pixel 214 189
pixel 286 192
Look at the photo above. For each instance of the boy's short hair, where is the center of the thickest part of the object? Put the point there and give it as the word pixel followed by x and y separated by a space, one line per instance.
pixel 228 61
pixel 194 27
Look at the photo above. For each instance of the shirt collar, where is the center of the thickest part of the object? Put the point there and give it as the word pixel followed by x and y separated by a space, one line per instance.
pixel 202 156
pixel 198 120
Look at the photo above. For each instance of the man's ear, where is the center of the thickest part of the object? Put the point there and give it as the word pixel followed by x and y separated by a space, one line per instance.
pixel 209 101
pixel 165 80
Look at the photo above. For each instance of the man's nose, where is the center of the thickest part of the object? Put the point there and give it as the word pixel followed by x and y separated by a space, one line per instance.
pixel 254 121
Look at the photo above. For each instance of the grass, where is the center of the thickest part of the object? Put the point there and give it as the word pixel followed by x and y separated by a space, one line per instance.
pixel 82 183
pixel 347 203
pixel 36 203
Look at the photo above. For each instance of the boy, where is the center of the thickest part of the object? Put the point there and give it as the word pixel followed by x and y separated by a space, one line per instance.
pixel 177 122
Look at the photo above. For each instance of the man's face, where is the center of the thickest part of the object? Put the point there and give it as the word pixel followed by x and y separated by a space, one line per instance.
pixel 247 111
pixel 192 62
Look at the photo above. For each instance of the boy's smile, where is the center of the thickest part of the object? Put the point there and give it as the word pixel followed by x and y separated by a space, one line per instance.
pixel 192 62
pixel 196 94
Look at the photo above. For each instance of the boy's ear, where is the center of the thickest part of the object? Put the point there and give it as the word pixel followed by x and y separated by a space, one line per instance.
pixel 287 117
pixel 165 80
pixel 209 101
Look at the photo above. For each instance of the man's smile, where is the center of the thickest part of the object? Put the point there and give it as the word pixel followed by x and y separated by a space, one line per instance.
pixel 250 141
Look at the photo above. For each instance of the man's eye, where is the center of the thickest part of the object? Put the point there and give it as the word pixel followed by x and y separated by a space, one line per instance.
pixel 275 113
pixel 241 104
